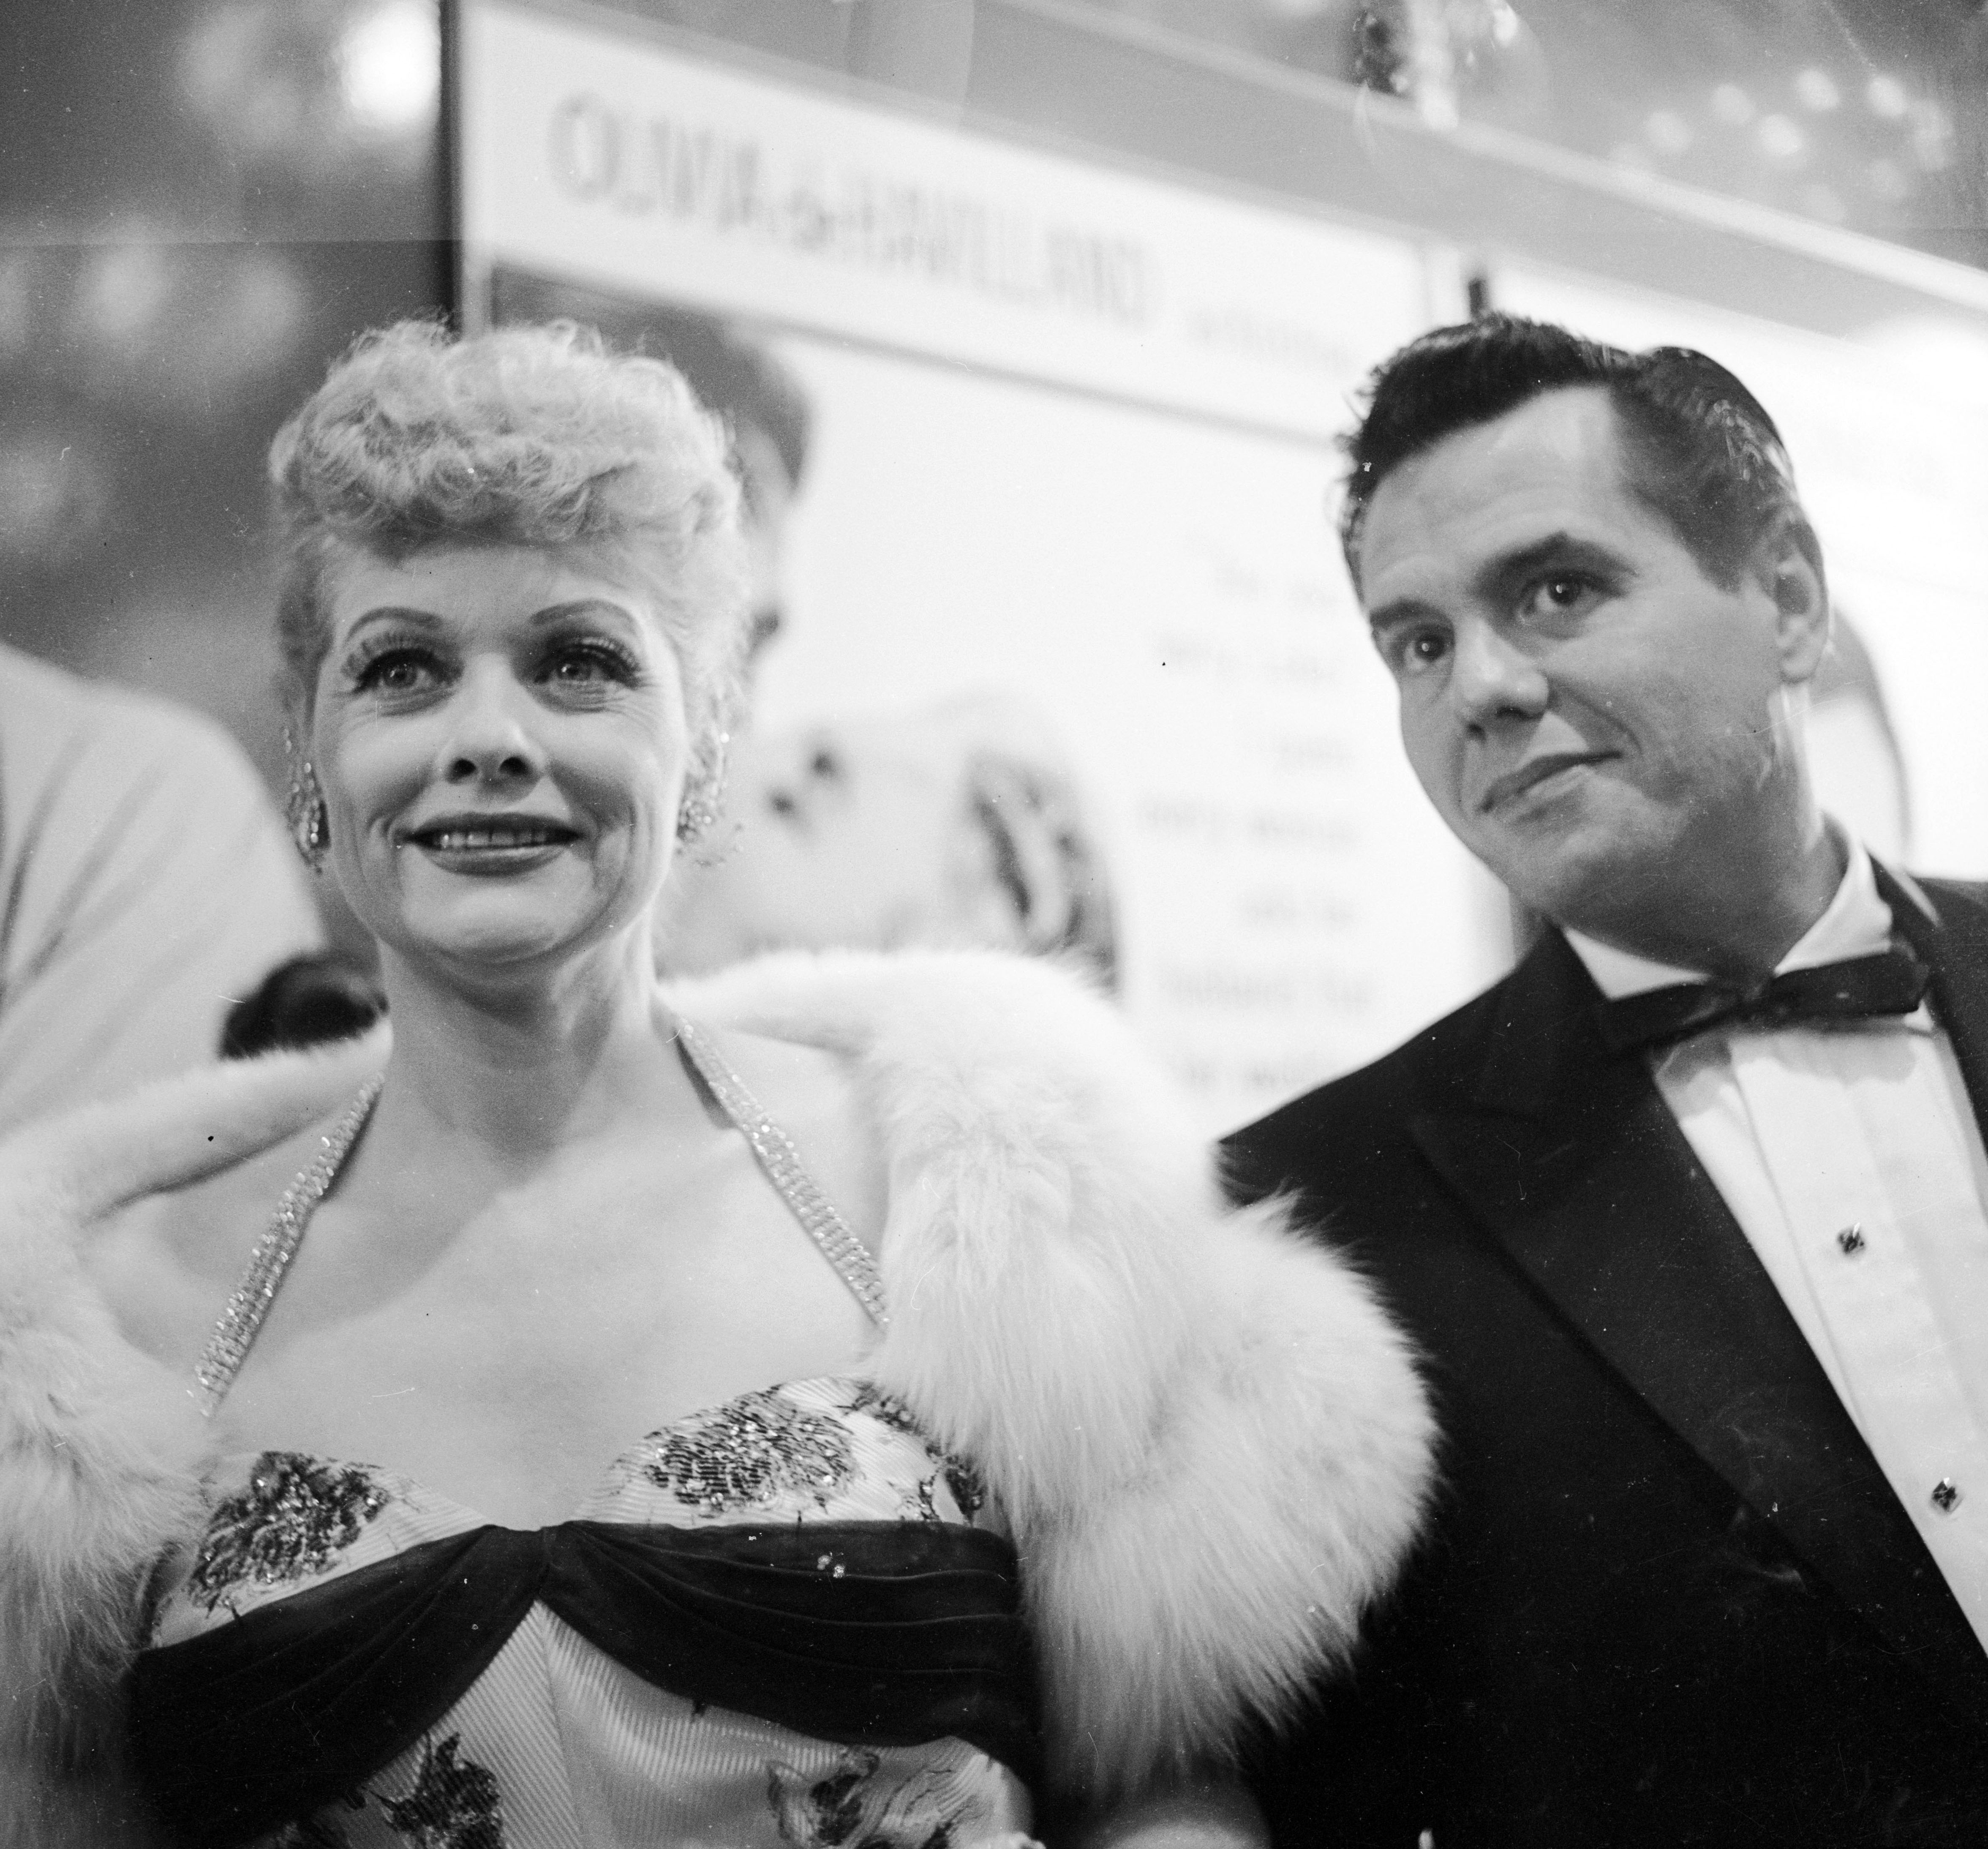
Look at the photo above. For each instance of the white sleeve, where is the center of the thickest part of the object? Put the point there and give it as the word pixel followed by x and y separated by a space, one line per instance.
pixel 146 884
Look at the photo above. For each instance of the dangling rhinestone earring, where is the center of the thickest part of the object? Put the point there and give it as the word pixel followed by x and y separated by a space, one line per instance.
pixel 703 799
pixel 304 808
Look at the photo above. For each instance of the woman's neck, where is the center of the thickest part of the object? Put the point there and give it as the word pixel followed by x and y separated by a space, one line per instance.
pixel 525 1067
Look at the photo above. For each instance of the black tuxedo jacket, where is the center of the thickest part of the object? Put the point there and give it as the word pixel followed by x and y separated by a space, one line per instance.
pixel 1668 1596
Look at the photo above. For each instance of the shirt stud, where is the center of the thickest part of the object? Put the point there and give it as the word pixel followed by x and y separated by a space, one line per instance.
pixel 1852 1239
pixel 1946 1496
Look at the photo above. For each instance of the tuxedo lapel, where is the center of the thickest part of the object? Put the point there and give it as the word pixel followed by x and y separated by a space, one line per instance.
pixel 1570 1157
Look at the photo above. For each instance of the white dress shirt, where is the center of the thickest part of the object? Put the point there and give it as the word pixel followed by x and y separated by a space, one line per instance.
pixel 1849 1154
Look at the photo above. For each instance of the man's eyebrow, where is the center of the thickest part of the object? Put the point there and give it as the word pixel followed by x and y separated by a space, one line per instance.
pixel 1393 615
pixel 1561 548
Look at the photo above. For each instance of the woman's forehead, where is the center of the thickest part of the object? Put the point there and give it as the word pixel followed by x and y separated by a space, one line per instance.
pixel 481 583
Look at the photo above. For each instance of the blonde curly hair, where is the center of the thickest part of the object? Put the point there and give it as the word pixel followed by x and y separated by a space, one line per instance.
pixel 525 436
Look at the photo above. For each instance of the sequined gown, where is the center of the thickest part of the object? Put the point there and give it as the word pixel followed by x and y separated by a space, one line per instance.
pixel 825 1493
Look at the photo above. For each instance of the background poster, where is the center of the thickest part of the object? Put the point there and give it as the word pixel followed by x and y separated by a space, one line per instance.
pixel 1072 450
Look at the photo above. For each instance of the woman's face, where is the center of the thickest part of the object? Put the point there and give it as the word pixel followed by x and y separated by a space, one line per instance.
pixel 500 734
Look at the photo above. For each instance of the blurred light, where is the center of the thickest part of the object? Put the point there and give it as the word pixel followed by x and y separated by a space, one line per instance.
pixel 390 67
pixel 1497 68
pixel 122 296
pixel 1632 154
pixel 1932 136
pixel 331 90
pixel 186 328
pixel 1667 132
pixel 1780 140
pixel 1885 96
pixel 53 498
pixel 233 72
pixel 1732 106
pixel 1824 202
pixel 1818 90
pixel 1888 181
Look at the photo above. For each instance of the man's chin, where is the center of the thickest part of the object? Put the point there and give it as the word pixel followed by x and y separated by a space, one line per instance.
pixel 1582 876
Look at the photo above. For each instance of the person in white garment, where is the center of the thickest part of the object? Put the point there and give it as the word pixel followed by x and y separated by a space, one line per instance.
pixel 1687 1211
pixel 146 886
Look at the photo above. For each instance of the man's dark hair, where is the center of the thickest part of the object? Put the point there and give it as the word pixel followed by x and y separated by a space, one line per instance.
pixel 1701 452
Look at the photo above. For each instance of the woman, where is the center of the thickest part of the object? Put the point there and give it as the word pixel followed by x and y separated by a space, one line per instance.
pixel 417 1575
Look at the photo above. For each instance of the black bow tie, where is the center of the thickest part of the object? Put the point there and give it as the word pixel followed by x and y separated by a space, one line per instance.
pixel 1892 982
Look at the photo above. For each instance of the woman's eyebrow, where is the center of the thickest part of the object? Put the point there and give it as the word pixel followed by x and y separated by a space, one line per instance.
pixel 397 613
pixel 581 606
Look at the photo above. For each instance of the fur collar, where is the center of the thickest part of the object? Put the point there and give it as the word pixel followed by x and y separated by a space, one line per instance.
pixel 1211 1444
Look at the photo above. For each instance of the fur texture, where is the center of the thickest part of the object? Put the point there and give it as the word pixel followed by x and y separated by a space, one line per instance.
pixel 1211 1444
pixel 99 1446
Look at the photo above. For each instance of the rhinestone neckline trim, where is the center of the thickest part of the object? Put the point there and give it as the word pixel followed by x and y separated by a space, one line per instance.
pixel 774 1152
pixel 242 1317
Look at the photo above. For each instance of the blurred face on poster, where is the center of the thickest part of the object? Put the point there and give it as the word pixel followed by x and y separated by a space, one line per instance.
pixel 954 826
pixel 765 505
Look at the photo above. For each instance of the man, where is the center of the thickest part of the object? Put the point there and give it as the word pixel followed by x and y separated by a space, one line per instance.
pixel 1699 1264
pixel 146 886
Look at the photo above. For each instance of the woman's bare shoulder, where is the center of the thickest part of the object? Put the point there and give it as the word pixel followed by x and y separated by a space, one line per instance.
pixel 811 1093
pixel 165 1264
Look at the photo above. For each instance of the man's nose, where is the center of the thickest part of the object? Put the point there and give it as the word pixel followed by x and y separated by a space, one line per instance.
pixel 490 737
pixel 1492 677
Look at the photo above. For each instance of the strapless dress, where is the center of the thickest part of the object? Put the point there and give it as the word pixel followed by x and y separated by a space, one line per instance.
pixel 789 1619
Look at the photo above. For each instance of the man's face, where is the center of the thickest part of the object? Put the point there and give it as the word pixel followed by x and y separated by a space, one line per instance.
pixel 1596 720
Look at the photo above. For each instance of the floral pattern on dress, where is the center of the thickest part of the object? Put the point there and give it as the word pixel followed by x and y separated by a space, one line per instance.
pixel 852 1808
pixel 886 1409
pixel 296 1517
pixel 455 1804
pixel 744 1455
pixel 968 1489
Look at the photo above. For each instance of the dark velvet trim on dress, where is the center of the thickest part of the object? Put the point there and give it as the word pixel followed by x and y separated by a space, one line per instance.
pixel 875 1634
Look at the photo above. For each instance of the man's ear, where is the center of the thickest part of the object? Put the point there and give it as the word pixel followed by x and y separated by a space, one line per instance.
pixel 1787 564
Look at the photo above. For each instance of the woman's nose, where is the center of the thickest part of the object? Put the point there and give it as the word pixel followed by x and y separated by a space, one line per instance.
pixel 1491 678
pixel 490 737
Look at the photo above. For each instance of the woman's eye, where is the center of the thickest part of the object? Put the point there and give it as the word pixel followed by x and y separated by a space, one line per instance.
pixel 400 671
pixel 591 665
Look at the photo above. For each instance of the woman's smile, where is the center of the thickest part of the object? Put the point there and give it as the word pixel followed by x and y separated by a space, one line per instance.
pixel 491 845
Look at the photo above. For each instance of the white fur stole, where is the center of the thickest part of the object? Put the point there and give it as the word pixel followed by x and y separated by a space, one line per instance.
pixel 101 1448
pixel 1211 1444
